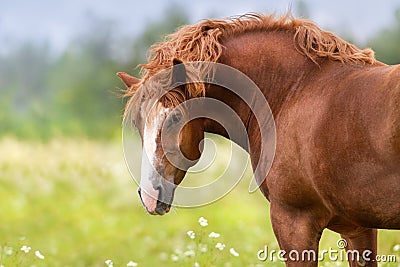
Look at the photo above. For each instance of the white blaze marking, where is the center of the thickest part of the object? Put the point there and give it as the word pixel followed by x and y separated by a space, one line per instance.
pixel 148 193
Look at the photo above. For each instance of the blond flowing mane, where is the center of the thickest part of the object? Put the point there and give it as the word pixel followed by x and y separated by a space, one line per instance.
pixel 203 42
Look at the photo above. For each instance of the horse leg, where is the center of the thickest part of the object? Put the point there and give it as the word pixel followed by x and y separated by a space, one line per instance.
pixel 363 240
pixel 298 235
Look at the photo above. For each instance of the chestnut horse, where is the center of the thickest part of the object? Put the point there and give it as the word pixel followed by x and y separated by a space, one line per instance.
pixel 337 115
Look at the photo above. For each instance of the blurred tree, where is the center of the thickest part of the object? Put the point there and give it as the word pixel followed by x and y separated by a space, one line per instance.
pixel 23 88
pixel 83 80
pixel 387 42
pixel 75 93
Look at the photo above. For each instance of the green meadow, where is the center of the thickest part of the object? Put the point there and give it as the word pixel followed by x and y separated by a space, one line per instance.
pixel 72 202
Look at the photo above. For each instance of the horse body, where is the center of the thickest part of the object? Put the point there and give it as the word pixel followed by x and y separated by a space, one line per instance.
pixel 337 159
pixel 336 130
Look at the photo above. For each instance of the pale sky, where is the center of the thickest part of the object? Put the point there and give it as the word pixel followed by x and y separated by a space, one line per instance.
pixel 58 21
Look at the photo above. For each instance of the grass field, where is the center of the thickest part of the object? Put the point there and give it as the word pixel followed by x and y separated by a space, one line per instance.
pixel 73 203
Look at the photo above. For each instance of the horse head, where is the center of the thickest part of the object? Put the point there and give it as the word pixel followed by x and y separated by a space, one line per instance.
pixel 171 143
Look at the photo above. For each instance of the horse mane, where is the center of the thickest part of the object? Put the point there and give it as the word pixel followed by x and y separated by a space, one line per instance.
pixel 203 42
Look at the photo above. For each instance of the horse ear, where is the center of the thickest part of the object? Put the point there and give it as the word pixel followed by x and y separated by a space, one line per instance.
pixel 178 72
pixel 127 79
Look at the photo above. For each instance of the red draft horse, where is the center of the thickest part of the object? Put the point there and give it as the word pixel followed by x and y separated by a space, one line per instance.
pixel 337 115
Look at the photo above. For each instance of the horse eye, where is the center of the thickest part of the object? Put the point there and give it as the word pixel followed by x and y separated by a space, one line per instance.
pixel 173 119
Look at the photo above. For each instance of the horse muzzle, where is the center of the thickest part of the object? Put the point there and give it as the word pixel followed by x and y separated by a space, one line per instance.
pixel 159 201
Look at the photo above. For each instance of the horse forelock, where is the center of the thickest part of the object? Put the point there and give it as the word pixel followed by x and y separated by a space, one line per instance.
pixel 150 94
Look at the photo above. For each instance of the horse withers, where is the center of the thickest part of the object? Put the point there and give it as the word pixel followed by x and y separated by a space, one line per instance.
pixel 337 115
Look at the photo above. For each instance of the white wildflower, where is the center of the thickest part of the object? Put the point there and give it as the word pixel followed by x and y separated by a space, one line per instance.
pixel 396 247
pixel 203 247
pixel 203 222
pixel 233 252
pixel 178 251
pixel 131 264
pixel 189 253
pixel 174 257
pixel 191 234
pixel 196 264
pixel 8 250
pixel 25 249
pixel 220 246
pixel 39 255
pixel 214 235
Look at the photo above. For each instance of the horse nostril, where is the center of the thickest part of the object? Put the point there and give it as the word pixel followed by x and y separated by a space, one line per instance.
pixel 161 208
pixel 157 188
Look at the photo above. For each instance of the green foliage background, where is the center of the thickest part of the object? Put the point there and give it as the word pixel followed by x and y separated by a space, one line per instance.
pixel 75 93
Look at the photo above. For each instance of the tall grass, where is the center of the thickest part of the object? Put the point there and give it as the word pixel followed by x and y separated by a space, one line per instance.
pixel 74 203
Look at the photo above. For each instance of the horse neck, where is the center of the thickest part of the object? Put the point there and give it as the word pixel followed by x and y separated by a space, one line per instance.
pixel 231 100
pixel 271 60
